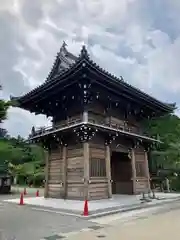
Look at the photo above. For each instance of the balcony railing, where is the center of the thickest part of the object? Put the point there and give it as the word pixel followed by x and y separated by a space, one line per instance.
pixel 46 130
pixel 123 127
pixel 72 123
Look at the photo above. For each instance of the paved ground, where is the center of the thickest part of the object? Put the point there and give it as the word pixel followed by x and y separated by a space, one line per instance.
pixel 23 222
pixel 118 203
pixel 153 224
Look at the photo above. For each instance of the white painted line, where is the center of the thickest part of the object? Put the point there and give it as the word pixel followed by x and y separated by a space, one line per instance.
pixel 75 232
pixel 58 212
pixel 69 234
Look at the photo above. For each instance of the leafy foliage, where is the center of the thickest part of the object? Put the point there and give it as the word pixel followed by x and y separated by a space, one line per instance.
pixel 167 128
pixel 24 161
pixel 3 109
pixel 4 105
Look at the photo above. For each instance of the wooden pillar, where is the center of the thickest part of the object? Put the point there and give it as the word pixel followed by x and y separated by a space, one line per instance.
pixel 86 170
pixel 46 175
pixel 64 156
pixel 133 165
pixel 85 116
pixel 108 170
pixel 146 165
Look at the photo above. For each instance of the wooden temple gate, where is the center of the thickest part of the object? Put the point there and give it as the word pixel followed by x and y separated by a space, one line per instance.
pixel 96 144
pixel 86 171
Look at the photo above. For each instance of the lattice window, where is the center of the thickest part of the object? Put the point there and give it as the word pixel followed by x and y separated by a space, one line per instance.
pixel 97 167
pixel 140 172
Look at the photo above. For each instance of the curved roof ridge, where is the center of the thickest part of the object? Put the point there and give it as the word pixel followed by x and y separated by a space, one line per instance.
pixel 73 61
pixel 63 57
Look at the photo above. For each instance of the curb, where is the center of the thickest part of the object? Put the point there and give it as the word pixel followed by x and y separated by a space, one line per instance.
pixel 143 206
pixel 106 212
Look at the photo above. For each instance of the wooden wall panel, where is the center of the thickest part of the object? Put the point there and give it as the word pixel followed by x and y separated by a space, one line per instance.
pixel 55 173
pixel 74 152
pixel 98 190
pixel 116 121
pixel 114 117
pixel 141 186
pixel 96 107
pixel 98 187
pixel 140 163
pixel 75 171
pixel 96 113
pixel 142 176
pixel 96 118
pixel 117 113
pixel 140 156
pixel 75 191
pixel 97 150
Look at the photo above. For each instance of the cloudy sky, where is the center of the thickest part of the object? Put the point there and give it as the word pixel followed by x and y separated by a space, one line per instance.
pixel 138 39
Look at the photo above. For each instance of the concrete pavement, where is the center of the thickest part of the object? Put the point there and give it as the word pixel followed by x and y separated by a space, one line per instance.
pixel 118 203
pixel 161 223
pixel 24 222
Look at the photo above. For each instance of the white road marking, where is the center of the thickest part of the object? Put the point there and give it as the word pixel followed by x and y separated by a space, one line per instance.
pixel 58 212
pixel 101 219
pixel 75 232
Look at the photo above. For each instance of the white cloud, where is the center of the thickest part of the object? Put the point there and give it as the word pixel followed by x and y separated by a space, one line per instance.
pixel 138 39
pixel 21 121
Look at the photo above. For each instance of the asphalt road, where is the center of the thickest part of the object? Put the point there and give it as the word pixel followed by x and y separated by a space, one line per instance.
pixel 26 223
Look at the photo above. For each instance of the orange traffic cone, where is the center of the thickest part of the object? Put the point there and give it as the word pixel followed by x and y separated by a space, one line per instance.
pixel 25 192
pixel 37 193
pixel 21 202
pixel 86 212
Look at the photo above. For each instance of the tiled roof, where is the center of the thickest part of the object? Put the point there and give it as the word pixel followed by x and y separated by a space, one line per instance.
pixel 65 62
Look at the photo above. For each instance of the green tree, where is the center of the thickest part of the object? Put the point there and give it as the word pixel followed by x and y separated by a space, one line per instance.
pixel 4 105
pixel 167 129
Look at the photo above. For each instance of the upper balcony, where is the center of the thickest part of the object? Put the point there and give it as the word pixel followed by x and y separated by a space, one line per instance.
pixel 58 126
pixel 114 123
pixel 111 123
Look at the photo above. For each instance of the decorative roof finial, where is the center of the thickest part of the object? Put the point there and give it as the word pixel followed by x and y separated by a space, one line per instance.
pixel 64 44
pixel 84 52
pixel 63 47
pixel 33 130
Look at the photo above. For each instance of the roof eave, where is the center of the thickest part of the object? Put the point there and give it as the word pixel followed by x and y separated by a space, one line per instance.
pixel 167 108
pixel 84 56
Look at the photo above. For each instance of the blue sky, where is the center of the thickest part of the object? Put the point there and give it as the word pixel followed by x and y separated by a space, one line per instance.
pixel 138 39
